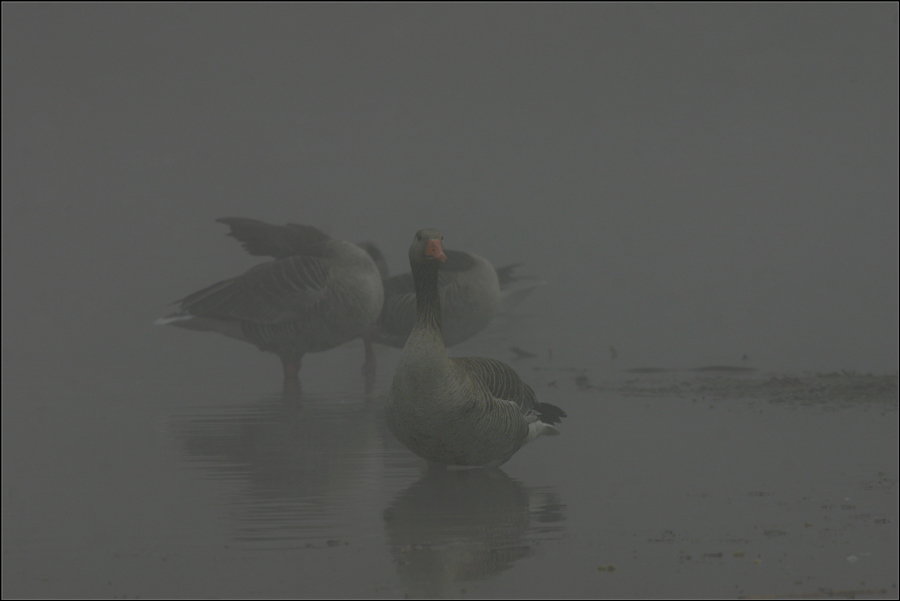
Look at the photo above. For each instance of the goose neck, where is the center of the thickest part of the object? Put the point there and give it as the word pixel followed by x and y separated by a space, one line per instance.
pixel 428 302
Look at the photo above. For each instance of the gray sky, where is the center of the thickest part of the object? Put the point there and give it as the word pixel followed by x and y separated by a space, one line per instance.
pixel 694 182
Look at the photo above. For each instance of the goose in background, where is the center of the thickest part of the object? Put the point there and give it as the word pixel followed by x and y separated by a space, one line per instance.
pixel 316 294
pixel 472 293
pixel 468 411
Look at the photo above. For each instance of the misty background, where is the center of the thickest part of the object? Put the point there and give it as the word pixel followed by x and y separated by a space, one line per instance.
pixel 694 182
pixel 697 184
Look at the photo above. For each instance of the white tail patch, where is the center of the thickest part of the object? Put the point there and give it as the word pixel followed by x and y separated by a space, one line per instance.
pixel 162 321
pixel 539 428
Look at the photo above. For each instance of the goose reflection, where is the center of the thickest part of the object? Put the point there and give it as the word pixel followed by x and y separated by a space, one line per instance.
pixel 462 525
pixel 303 467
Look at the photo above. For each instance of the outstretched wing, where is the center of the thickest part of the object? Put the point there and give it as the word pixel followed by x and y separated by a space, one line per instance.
pixel 279 241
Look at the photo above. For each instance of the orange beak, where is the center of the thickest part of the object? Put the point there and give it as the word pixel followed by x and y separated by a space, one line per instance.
pixel 435 249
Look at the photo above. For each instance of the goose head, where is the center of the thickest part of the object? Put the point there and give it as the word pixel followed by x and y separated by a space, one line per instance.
pixel 427 248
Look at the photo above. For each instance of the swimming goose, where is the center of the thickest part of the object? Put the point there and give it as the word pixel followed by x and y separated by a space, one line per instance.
pixel 468 411
pixel 316 294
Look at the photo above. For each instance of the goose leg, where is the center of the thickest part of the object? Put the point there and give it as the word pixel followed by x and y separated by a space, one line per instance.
pixel 291 367
pixel 369 365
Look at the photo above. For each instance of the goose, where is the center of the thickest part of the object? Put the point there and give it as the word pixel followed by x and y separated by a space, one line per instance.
pixel 472 290
pixel 472 293
pixel 469 290
pixel 316 293
pixel 465 411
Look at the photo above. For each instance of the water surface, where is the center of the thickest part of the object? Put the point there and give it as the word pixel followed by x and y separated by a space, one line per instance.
pixel 219 491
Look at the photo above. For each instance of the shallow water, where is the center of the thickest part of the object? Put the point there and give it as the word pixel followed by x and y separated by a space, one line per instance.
pixel 220 491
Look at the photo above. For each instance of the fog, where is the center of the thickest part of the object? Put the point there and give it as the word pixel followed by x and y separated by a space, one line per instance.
pixel 696 184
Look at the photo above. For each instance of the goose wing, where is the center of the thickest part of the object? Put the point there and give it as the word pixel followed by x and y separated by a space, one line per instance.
pixel 274 292
pixel 499 379
pixel 502 382
pixel 278 241
pixel 457 261
pixel 398 314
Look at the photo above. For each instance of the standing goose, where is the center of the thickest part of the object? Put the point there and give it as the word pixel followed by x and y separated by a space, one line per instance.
pixel 472 293
pixel 316 294
pixel 467 411
pixel 469 289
